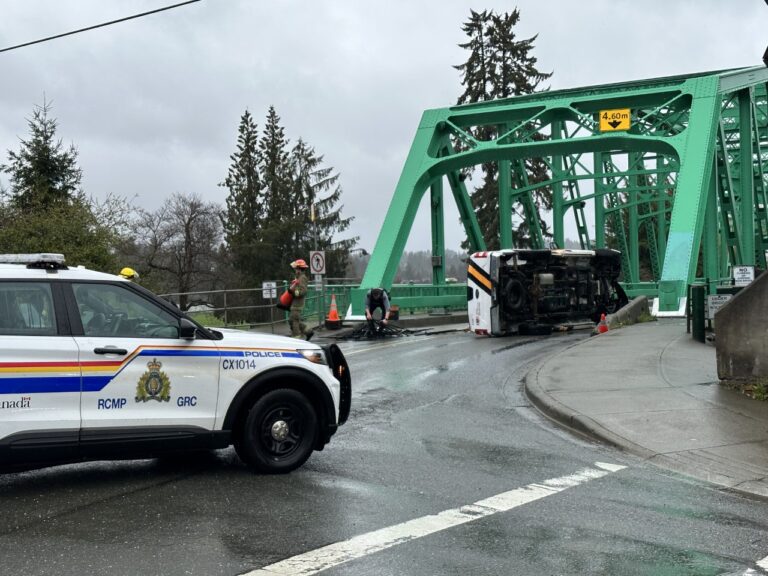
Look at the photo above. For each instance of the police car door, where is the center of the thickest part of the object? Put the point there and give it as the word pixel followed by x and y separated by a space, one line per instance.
pixel 39 375
pixel 138 374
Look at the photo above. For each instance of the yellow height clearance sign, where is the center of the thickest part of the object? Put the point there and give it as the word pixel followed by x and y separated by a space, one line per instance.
pixel 615 120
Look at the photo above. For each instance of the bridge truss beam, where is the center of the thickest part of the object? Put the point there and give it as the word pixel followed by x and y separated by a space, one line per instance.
pixel 682 193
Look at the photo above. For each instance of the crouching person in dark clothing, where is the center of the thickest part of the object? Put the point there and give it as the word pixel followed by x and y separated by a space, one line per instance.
pixel 376 298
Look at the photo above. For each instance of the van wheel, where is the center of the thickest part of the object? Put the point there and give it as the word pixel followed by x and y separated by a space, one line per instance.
pixel 279 432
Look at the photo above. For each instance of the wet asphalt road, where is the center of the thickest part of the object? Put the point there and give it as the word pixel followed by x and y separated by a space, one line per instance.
pixel 437 423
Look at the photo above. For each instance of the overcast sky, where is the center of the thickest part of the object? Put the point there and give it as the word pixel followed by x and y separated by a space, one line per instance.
pixel 153 104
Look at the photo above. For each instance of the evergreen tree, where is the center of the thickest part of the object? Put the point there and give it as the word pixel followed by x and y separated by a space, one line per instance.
pixel 42 172
pixel 275 168
pixel 514 68
pixel 70 228
pixel 317 185
pixel 272 191
pixel 499 66
pixel 477 70
pixel 244 216
pixel 278 230
pixel 44 209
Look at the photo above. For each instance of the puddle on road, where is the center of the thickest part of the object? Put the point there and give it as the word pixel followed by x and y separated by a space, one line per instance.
pixel 440 369
pixel 581 551
pixel 480 454
pixel 517 344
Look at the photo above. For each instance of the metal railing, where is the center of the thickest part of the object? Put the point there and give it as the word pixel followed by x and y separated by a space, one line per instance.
pixel 242 307
pixel 248 308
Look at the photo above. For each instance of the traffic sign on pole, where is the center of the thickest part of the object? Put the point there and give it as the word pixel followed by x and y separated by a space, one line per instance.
pixel 317 262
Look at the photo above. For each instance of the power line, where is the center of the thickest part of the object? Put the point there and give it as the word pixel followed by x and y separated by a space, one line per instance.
pixel 99 25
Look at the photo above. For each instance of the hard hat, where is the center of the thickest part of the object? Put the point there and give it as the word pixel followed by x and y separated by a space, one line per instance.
pixel 129 273
pixel 376 293
pixel 299 264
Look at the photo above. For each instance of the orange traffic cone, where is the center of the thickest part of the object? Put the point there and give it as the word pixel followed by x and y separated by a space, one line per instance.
pixel 602 326
pixel 333 322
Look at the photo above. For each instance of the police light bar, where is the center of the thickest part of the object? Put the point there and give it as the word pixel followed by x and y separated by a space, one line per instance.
pixel 43 258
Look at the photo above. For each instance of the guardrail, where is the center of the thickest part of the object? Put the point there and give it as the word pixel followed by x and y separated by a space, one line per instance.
pixel 249 308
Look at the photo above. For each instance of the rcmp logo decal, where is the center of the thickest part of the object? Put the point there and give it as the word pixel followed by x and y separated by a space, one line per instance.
pixel 153 384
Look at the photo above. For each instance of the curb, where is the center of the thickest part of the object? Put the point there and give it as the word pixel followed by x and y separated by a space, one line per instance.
pixel 629 313
pixel 558 412
pixel 580 424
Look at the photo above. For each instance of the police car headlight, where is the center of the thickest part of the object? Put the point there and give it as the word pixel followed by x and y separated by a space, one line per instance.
pixel 314 356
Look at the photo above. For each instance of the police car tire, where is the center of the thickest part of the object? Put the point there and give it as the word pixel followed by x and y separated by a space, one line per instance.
pixel 258 447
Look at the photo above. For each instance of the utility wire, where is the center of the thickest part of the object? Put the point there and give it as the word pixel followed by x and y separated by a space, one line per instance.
pixel 100 25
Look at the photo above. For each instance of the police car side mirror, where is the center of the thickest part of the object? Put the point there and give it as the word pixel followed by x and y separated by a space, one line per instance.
pixel 187 329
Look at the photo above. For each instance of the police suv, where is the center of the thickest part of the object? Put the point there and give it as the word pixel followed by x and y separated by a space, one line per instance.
pixel 95 367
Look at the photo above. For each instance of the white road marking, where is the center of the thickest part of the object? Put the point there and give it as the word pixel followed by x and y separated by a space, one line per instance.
pixel 332 555
pixel 763 564
pixel 380 346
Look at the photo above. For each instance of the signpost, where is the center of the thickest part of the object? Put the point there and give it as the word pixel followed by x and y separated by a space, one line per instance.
pixel 317 267
pixel 269 292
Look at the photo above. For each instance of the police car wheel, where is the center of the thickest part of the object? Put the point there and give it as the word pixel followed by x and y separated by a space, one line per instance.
pixel 279 432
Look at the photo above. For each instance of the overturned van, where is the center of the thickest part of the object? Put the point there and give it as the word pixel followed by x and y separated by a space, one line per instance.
pixel 511 291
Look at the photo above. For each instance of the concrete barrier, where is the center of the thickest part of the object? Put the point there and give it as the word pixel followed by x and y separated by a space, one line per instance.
pixel 741 328
pixel 629 313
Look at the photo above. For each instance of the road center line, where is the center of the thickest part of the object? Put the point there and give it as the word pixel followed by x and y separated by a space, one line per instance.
pixel 332 555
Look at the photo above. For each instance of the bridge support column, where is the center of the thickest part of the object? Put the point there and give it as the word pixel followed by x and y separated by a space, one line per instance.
pixel 438 232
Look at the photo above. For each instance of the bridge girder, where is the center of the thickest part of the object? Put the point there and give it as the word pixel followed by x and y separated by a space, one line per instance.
pixel 683 191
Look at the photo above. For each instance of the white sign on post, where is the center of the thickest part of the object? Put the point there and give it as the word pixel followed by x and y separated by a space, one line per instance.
pixel 269 290
pixel 715 302
pixel 318 282
pixel 317 262
pixel 743 275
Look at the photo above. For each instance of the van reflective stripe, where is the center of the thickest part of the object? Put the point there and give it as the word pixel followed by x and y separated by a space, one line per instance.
pixel 480 277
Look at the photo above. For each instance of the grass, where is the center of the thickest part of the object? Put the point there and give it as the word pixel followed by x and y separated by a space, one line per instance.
pixel 756 389
pixel 212 321
pixel 642 318
pixel 645 317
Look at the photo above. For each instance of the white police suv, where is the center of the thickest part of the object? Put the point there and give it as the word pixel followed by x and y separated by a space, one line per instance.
pixel 95 367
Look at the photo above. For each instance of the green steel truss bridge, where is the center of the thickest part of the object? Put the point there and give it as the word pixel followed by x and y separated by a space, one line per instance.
pixel 679 186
